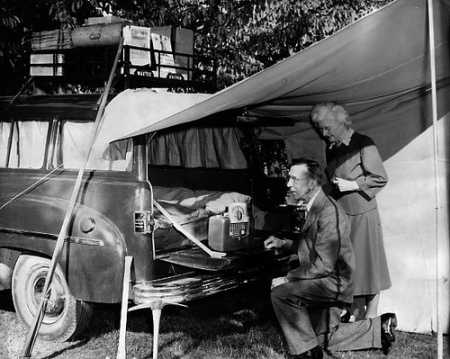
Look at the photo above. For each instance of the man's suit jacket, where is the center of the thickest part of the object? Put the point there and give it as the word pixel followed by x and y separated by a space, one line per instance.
pixel 325 253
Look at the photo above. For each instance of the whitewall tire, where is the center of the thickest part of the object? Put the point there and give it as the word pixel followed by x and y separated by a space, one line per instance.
pixel 65 316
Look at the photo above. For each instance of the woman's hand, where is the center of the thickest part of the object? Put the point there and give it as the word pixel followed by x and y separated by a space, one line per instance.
pixel 345 185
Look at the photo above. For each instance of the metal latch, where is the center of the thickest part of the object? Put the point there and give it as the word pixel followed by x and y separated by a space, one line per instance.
pixel 143 222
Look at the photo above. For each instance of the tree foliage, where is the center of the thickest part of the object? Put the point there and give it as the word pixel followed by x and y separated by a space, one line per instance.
pixel 245 36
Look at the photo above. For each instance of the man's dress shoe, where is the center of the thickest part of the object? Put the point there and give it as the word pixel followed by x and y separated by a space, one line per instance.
pixel 388 325
pixel 314 353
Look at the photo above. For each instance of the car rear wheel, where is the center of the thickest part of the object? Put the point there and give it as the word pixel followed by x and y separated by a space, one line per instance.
pixel 65 316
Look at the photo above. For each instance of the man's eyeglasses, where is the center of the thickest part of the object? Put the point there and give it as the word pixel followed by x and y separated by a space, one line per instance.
pixel 294 179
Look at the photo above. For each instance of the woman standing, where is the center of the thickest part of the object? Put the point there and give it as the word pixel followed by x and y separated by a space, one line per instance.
pixel 355 175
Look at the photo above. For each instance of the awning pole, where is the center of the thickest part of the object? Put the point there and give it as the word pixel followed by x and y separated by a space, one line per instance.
pixel 59 245
pixel 440 345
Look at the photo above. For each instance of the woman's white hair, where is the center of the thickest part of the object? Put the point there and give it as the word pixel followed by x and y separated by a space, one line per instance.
pixel 339 112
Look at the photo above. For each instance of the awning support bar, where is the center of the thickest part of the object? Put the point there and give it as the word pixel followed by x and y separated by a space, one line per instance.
pixel 179 228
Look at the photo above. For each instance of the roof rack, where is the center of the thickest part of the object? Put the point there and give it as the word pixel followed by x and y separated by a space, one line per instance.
pixel 87 57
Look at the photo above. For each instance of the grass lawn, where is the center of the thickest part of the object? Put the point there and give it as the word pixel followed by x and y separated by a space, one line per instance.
pixel 237 324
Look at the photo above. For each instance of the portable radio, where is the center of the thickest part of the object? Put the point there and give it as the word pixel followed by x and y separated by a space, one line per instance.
pixel 230 231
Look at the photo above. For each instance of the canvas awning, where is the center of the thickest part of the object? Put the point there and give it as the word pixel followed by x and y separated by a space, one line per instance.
pixel 378 61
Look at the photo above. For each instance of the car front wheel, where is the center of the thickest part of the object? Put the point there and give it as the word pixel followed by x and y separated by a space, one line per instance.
pixel 65 316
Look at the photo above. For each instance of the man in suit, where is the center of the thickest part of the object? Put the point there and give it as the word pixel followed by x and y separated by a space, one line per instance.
pixel 309 299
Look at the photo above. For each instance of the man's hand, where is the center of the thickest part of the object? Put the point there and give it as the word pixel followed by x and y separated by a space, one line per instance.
pixel 345 185
pixel 278 281
pixel 274 242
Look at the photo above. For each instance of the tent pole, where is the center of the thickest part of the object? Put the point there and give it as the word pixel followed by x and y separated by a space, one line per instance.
pixel 440 346
pixel 40 312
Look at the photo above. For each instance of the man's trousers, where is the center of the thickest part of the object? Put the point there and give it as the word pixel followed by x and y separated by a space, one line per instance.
pixel 308 320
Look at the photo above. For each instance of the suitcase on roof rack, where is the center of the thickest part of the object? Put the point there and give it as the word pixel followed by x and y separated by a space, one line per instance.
pixel 98 35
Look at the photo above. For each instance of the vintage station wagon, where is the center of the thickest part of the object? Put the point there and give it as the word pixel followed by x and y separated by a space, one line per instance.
pixel 153 197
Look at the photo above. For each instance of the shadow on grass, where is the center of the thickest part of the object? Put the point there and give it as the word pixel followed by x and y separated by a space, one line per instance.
pixel 223 315
pixel 58 353
pixel 202 320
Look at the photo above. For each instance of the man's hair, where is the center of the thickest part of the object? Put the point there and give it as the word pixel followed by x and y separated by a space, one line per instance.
pixel 338 111
pixel 314 169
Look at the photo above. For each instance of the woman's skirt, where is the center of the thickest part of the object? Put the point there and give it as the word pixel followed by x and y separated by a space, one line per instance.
pixel 372 271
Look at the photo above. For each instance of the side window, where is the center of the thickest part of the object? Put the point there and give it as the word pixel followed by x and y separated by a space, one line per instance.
pixel 23 144
pixel 72 145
